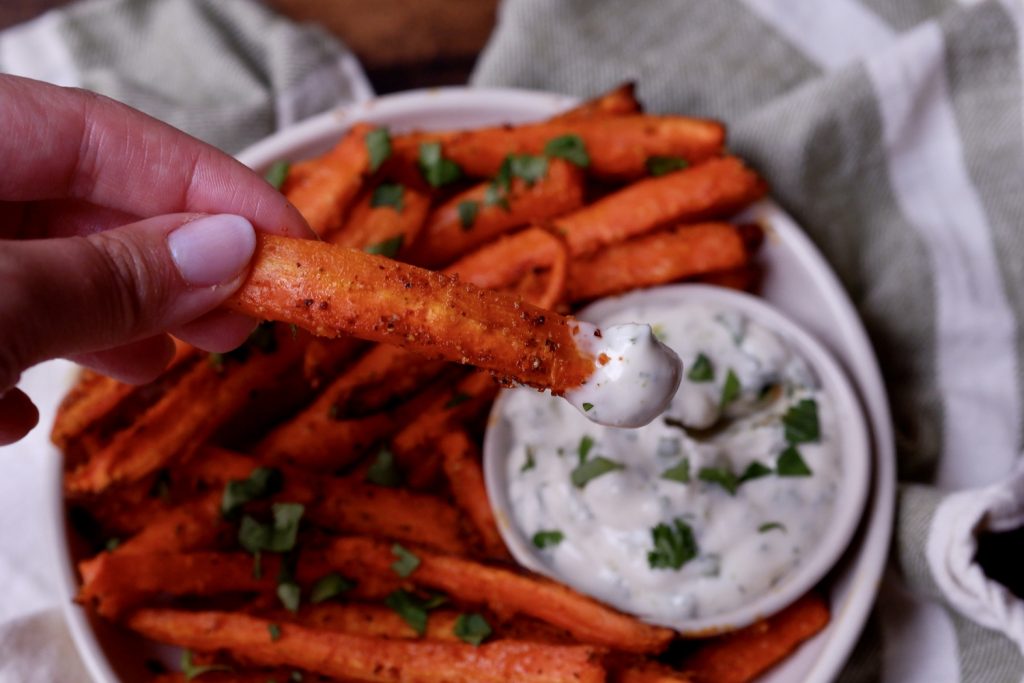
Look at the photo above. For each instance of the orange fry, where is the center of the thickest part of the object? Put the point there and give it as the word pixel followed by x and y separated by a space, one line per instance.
pixel 508 592
pixel 658 258
pixel 715 188
pixel 332 290
pixel 366 658
pixel 466 480
pixel 374 620
pixel 617 102
pixel 448 235
pixel 385 226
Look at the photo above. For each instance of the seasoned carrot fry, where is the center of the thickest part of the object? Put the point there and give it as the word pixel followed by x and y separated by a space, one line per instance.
pixel 189 526
pixel 618 146
pixel 655 259
pixel 385 227
pixel 506 591
pixel 332 290
pixel 374 620
pixel 466 480
pixel 617 102
pixel 323 189
pixel 369 659
pixel 248 676
pixel 648 672
pixel 448 234
pixel 744 655
pixel 712 189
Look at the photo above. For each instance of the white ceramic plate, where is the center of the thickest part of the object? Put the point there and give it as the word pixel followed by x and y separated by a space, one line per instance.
pixel 798 282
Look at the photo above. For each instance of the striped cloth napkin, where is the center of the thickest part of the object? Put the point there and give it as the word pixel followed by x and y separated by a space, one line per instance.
pixel 894 133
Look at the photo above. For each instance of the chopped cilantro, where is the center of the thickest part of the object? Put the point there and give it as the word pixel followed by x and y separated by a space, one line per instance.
pixel 384 470
pixel 587 407
pixel 529 463
pixel 289 593
pixel 674 545
pixel 679 472
pixel 547 538
pixel 755 470
pixel 277 173
pixel 388 194
pixel 406 563
pixel 586 443
pixel 569 147
pixel 768 526
pixel 378 146
pixel 262 482
pixel 458 398
pixel 527 167
pixel 791 464
pixel 495 196
pixel 437 170
pixel 591 469
pixel 330 586
pixel 412 609
pixel 801 422
pixel 112 544
pixel 467 213
pixel 389 247
pixel 192 671
pixel 731 388
pixel 472 628
pixel 721 476
pixel 660 165
pixel 701 370
pixel 275 632
pixel 276 537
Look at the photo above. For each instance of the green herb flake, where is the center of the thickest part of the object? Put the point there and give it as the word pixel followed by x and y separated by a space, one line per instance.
pixel 593 468
pixel 275 632
pixel 257 565
pixel 192 671
pixel 660 165
pixel 289 593
pixel 527 167
pixel 586 443
pixel 701 370
pixel 112 544
pixel 720 476
pixel 216 361
pixel 495 196
pixel 755 470
pixel 277 173
pixel 412 609
pixel 276 537
pixel 731 388
pixel 768 526
pixel 467 213
pixel 384 470
pixel 458 398
pixel 406 563
pixel 791 464
pixel 547 538
pixel 295 677
pixel 294 330
pixel 801 422
pixel 388 194
pixel 437 170
pixel 674 545
pixel 389 247
pixel 472 628
pixel 679 472
pixel 587 407
pixel 378 146
pixel 529 463
pixel 569 147
pixel 329 587
pixel 262 482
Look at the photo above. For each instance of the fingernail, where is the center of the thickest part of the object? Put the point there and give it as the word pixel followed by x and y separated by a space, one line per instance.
pixel 212 250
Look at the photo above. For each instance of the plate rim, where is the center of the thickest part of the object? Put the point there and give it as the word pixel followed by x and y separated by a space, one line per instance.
pixel 867 569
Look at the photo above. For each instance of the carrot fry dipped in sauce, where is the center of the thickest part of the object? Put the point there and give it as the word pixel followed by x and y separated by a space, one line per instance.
pixel 331 291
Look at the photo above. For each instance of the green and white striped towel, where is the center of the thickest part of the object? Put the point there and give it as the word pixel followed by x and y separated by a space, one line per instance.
pixel 894 133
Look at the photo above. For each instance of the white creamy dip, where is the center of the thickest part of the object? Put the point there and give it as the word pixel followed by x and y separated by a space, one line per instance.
pixel 705 508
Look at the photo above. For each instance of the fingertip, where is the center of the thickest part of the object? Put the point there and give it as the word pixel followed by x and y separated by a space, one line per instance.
pixel 138 362
pixel 218 331
pixel 18 415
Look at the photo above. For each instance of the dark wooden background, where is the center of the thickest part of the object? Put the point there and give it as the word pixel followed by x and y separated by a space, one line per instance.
pixel 402 43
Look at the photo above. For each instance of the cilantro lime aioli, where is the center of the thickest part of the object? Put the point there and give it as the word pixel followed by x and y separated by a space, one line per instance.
pixel 700 511
pixel 634 379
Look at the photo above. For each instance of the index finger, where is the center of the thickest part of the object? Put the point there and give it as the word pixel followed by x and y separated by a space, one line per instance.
pixel 66 143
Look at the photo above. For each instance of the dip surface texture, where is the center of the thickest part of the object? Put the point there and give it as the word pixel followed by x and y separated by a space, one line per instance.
pixel 710 505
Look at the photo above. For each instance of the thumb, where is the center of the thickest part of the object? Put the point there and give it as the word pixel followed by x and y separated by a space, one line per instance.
pixel 76 295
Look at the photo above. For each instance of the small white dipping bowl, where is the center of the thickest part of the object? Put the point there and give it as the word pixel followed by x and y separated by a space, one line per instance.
pixel 852 440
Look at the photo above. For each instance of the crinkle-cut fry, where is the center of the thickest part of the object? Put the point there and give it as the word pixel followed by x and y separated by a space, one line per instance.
pixel 506 591
pixel 665 256
pixel 446 237
pixel 323 189
pixel 713 189
pixel 325 359
pixel 366 658
pixel 332 290
pixel 506 261
pixel 373 620
pixel 415 446
pixel 744 655
pixel 466 481
pixel 184 417
pixel 616 102
pixel 618 146
pixel 369 226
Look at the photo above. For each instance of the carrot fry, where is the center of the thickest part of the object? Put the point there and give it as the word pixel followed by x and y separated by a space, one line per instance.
pixel 618 146
pixel 188 526
pixel 323 189
pixel 448 234
pixel 715 188
pixel 744 655
pixel 466 479
pixel 369 659
pixel 648 672
pixel 332 291
pixel 744 279
pixel 506 591
pixel 655 259
pixel 373 620
pixel 325 359
pixel 617 102
pixel 248 676
pixel 371 226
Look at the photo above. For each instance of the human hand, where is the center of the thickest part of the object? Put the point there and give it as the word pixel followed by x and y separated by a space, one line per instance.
pixel 115 229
